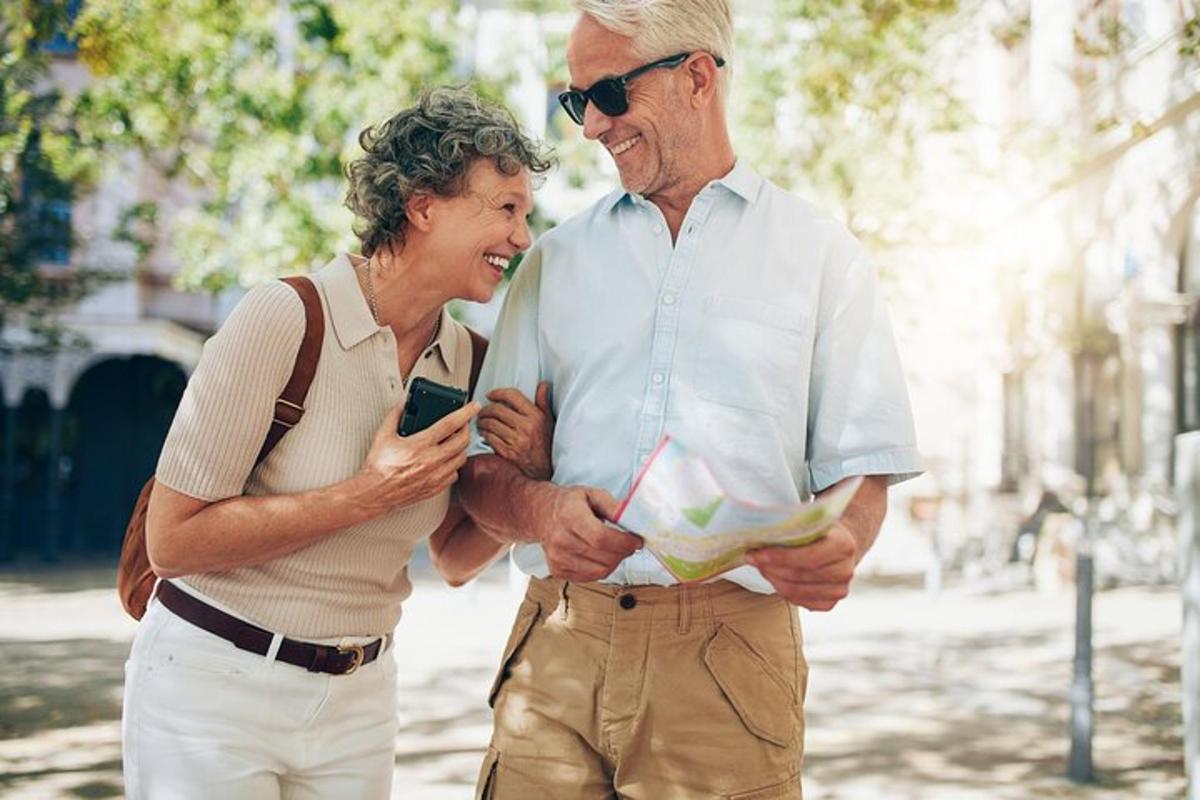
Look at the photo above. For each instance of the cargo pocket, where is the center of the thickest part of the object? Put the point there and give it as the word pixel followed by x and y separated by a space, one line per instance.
pixel 763 701
pixel 527 615
pixel 486 785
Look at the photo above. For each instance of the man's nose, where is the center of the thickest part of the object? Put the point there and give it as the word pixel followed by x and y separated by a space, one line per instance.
pixel 595 122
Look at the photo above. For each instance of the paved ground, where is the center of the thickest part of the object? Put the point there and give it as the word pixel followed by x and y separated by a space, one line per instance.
pixel 957 698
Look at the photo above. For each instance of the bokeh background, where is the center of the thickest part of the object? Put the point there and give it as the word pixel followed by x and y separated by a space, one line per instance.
pixel 1026 174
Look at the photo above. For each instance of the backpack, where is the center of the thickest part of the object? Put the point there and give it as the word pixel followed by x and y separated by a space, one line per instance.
pixel 135 576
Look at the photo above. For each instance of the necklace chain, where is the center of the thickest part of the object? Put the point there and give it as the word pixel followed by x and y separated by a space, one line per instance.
pixel 373 305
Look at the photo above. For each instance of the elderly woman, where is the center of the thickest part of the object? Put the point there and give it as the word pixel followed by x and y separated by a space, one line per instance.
pixel 262 667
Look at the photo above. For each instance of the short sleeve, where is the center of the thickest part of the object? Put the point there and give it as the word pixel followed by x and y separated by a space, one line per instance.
pixel 513 357
pixel 859 417
pixel 229 402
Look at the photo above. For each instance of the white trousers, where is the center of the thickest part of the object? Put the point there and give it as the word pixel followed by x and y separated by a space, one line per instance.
pixel 205 720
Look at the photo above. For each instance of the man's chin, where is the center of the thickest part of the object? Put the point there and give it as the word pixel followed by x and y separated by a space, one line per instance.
pixel 633 184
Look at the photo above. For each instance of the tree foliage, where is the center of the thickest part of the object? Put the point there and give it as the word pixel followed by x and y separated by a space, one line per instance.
pixel 44 162
pixel 836 100
pixel 257 104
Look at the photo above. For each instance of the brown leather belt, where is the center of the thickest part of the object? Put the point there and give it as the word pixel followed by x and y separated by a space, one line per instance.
pixel 330 659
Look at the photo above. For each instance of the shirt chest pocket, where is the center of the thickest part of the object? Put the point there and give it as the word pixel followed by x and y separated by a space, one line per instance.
pixel 750 354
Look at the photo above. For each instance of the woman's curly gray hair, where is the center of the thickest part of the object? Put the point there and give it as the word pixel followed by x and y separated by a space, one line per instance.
pixel 428 149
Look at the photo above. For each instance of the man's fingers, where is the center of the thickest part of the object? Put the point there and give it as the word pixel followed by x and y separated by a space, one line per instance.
pixel 574 553
pixel 603 504
pixel 609 539
pixel 821 553
pixel 797 569
pixel 505 414
pixel 513 398
pixel 495 433
pixel 821 597
pixel 542 398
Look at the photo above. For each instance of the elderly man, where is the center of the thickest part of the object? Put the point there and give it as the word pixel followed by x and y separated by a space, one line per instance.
pixel 700 301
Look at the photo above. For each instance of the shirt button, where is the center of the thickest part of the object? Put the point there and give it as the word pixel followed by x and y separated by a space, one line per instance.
pixel 658 229
pixel 628 601
pixel 669 300
pixel 658 377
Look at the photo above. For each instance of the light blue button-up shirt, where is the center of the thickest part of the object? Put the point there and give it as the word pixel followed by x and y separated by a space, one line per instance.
pixel 759 340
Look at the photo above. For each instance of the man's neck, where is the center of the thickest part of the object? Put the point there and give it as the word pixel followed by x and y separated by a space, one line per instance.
pixel 675 200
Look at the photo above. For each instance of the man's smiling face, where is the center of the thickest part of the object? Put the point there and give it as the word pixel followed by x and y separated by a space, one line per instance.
pixel 648 142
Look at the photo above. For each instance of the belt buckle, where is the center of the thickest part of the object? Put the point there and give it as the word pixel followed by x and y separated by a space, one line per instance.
pixel 358 653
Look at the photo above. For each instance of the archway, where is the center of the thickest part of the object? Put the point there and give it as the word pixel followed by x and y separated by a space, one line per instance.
pixel 24 531
pixel 116 420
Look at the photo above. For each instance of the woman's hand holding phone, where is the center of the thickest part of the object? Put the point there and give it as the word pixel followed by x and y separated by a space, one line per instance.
pixel 400 471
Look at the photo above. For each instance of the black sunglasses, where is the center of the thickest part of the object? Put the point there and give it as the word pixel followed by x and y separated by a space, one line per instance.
pixel 610 94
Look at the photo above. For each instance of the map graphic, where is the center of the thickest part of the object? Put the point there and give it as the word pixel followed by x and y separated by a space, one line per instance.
pixel 698 531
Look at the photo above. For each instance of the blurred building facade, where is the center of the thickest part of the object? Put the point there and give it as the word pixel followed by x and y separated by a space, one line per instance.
pixel 81 427
pixel 1102 367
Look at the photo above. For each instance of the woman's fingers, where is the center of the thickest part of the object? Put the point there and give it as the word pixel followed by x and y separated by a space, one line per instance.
pixel 449 424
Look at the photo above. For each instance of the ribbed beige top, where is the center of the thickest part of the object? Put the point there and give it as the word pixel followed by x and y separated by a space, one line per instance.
pixel 353 581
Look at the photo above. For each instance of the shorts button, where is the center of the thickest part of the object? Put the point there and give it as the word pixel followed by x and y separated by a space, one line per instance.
pixel 627 601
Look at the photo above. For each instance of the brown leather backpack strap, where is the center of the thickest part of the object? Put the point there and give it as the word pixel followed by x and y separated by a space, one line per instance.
pixel 479 346
pixel 289 408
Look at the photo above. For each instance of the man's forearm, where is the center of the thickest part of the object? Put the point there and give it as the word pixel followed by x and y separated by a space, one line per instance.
pixel 864 516
pixel 501 498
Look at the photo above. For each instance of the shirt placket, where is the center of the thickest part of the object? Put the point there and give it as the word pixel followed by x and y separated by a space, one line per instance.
pixel 641 567
pixel 385 352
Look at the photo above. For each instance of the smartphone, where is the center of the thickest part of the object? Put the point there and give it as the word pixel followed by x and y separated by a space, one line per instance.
pixel 428 401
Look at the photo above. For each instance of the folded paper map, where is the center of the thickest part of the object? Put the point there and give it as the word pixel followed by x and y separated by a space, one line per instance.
pixel 697 530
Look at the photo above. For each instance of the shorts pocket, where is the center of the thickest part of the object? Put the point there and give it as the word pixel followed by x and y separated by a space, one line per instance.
pixel 787 790
pixel 762 699
pixel 749 354
pixel 527 616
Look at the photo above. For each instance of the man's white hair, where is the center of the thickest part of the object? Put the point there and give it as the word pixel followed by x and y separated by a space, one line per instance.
pixel 661 28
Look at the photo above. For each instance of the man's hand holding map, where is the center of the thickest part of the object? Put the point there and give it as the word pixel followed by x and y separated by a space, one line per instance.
pixel 698 531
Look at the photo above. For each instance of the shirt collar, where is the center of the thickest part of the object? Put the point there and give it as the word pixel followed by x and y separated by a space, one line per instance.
pixel 348 309
pixel 742 180
pixel 351 315
pixel 446 343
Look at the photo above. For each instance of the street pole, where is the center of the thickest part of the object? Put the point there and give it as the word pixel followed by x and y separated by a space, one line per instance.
pixel 1187 493
pixel 1082 694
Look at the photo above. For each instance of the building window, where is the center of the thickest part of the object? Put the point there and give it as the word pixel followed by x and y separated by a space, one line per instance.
pixel 47 213
pixel 62 43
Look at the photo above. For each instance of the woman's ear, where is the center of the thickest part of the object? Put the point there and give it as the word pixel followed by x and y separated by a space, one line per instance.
pixel 419 211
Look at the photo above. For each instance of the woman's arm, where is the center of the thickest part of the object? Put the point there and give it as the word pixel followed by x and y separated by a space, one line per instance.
pixel 459 548
pixel 522 432
pixel 186 536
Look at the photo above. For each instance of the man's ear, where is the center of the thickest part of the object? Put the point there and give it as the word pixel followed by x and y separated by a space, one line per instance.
pixel 419 211
pixel 702 71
